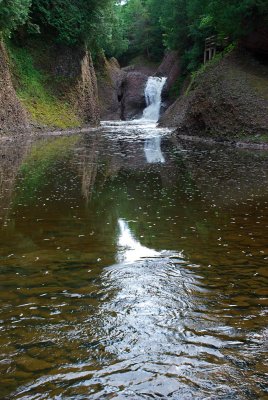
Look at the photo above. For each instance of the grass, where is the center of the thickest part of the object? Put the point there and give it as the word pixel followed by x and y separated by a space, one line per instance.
pixel 32 86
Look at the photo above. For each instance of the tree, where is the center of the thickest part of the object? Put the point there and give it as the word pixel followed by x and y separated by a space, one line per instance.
pixel 12 14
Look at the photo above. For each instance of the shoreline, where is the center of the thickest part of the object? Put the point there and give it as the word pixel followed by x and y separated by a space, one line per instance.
pixel 232 142
pixel 226 142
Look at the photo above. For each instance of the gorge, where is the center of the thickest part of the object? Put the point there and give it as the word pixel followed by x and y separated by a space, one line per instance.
pixel 133 199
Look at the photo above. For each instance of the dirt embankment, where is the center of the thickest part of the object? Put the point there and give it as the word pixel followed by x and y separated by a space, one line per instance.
pixel 228 100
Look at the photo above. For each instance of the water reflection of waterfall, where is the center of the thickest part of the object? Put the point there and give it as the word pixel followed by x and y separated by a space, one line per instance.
pixel 152 149
pixel 153 91
pixel 130 249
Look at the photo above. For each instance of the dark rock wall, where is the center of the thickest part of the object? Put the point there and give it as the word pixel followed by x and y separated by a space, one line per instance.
pixel 170 67
pixel 75 65
pixel 110 77
pixel 12 115
pixel 121 90
pixel 75 83
pixel 133 97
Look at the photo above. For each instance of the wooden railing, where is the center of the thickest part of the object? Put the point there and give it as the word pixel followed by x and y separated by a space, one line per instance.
pixel 212 45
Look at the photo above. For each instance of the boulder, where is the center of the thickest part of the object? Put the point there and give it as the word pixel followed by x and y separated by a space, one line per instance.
pixel 133 99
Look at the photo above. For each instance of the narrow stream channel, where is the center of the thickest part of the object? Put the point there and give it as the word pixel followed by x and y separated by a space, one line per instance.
pixel 134 266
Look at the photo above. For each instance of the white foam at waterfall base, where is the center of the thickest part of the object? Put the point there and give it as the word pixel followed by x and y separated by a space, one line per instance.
pixel 153 91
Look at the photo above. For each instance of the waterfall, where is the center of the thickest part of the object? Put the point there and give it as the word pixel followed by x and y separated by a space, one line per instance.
pixel 153 91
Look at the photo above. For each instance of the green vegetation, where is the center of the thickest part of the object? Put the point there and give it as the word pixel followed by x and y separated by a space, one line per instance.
pixel 13 13
pixel 33 90
pixel 204 67
pixel 155 25
pixel 124 29
pixel 136 26
pixel 93 23
pixel 78 24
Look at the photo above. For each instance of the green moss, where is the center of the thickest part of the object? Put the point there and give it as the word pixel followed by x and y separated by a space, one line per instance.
pixel 33 89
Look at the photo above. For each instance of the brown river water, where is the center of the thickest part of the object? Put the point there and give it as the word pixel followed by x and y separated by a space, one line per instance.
pixel 133 266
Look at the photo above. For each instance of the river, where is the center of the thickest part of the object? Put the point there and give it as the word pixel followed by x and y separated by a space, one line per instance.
pixel 134 266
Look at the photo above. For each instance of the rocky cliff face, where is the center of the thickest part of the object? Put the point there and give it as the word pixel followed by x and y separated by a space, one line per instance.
pixel 121 90
pixel 110 77
pixel 170 67
pixel 76 66
pixel 133 97
pixel 12 115
pixel 229 99
pixel 67 94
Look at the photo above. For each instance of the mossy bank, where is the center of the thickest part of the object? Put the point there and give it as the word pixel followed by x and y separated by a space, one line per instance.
pixel 54 86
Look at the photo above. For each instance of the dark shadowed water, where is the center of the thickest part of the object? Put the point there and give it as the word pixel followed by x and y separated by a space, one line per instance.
pixel 133 266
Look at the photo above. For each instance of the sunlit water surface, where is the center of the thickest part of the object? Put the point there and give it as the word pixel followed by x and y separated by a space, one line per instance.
pixel 134 266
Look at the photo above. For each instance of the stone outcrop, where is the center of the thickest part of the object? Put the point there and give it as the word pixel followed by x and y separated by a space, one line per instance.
pixel 110 77
pixel 76 66
pixel 12 115
pixel 121 90
pixel 133 99
pixel 171 68
pixel 230 99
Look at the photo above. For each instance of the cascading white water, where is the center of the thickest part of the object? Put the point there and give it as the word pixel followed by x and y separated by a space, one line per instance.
pixel 153 91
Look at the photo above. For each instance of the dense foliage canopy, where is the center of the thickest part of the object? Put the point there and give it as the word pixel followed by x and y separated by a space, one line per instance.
pixel 73 22
pixel 135 27
pixel 183 25
pixel 12 14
